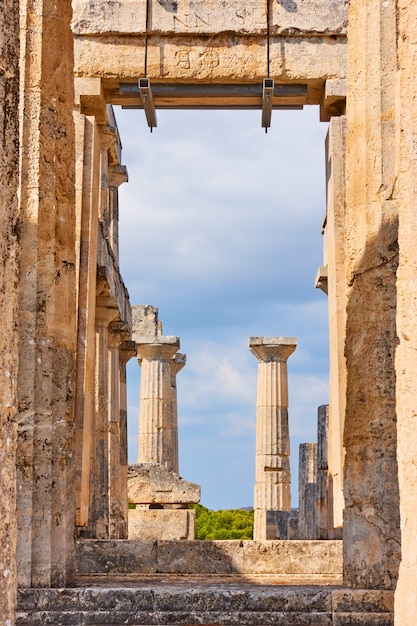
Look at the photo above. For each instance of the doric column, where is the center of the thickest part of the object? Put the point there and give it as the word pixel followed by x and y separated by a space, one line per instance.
pixel 406 353
pixel 371 535
pixel 177 362
pixel 117 176
pixel 273 477
pixel 88 200
pixel 47 297
pixel 155 411
pixel 106 312
pixel 307 490
pixel 118 334
pixel 9 279
pixel 335 238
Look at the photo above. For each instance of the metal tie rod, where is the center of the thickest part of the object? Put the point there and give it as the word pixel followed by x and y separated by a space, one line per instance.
pixel 178 90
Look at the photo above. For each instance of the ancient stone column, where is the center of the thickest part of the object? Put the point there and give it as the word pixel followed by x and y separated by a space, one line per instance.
pixel 155 412
pixel 272 472
pixel 118 334
pixel 406 353
pixel 335 241
pixel 177 362
pixel 371 531
pixel 47 298
pixel 106 312
pixel 88 199
pixel 323 523
pixel 9 277
pixel 307 489
pixel 117 176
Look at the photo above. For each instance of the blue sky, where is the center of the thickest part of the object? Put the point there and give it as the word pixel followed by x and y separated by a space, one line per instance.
pixel 220 228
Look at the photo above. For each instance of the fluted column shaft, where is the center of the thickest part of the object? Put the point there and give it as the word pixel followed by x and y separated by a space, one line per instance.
pixel 177 362
pixel 155 410
pixel 272 468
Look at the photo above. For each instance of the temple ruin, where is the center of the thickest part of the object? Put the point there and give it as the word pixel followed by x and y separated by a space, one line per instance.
pixel 67 328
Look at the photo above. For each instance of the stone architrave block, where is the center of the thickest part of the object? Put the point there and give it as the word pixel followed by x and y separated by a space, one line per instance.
pixel 168 524
pixel 149 483
pixel 209 17
pixel 144 321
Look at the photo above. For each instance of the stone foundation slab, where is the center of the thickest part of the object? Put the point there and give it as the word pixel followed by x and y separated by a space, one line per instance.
pixel 314 559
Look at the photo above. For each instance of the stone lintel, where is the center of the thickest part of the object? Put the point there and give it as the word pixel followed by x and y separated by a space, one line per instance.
pixel 151 483
pixel 272 348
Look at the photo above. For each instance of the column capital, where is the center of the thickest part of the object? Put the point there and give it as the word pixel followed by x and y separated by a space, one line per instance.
pixel 106 310
pixel 159 347
pixel 177 362
pixel 117 175
pixel 270 349
pixel 127 351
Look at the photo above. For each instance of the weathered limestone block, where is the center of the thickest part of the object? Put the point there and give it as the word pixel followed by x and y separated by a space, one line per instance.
pixel 292 557
pixel 406 354
pixel 144 321
pixel 178 524
pixel 371 532
pixel 116 557
pixel 154 484
pixel 307 490
pixel 47 298
pixel 9 275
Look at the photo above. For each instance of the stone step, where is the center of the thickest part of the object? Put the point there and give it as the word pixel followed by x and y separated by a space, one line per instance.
pixel 146 602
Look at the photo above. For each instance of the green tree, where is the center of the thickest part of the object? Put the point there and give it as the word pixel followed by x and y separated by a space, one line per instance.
pixel 223 524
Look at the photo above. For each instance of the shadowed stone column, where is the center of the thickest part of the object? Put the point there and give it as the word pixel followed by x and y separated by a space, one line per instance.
pixel 177 362
pixel 106 312
pixel 406 353
pixel 9 277
pixel 371 530
pixel 118 334
pixel 323 523
pixel 307 489
pixel 273 477
pixel 155 412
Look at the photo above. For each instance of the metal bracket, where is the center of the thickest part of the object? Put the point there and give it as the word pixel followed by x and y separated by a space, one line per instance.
pixel 267 94
pixel 147 101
